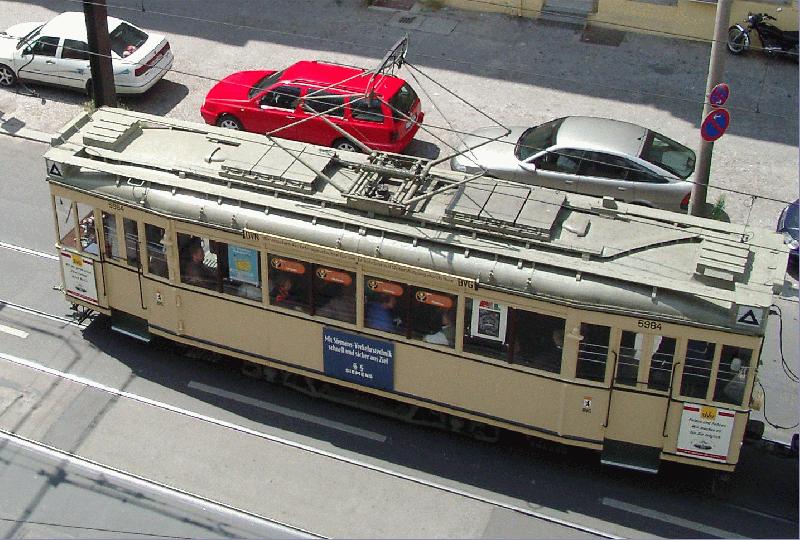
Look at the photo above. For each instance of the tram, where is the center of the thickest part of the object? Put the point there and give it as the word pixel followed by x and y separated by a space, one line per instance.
pixel 423 293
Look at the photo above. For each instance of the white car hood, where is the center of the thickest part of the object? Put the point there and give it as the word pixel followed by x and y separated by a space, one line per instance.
pixel 9 46
pixel 19 30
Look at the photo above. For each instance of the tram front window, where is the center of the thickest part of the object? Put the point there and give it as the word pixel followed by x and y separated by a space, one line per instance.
pixel 87 230
pixel 593 352
pixel 661 363
pixel 697 369
pixel 539 340
pixel 65 219
pixel 734 365
pixel 110 236
pixel 131 229
pixel 630 353
pixel 156 253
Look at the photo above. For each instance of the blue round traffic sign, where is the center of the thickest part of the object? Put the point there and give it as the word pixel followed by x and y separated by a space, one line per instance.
pixel 715 124
pixel 719 95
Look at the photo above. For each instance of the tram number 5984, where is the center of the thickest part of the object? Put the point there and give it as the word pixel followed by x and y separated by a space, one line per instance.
pixel 650 325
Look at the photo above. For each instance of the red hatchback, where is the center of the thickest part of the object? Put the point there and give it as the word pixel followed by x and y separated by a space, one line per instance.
pixel 382 111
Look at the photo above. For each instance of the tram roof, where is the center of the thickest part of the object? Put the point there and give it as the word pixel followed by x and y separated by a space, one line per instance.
pixel 726 264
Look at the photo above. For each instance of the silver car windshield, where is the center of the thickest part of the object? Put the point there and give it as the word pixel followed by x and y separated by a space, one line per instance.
pixel 668 154
pixel 537 138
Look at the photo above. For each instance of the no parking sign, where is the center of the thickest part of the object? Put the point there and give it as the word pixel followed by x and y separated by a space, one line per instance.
pixel 715 124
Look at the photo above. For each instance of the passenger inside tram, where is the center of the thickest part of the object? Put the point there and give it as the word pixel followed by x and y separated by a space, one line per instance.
pixel 339 302
pixel 195 272
pixel 284 293
pixel 379 312
pixel 446 332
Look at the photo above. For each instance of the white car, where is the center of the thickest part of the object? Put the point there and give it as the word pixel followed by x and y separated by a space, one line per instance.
pixel 57 53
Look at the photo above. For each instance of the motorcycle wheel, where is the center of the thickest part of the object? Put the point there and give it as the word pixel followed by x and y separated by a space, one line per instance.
pixel 738 41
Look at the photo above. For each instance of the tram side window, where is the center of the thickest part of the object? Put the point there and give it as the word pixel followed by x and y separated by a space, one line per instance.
pixel 289 283
pixel 661 363
pixel 539 340
pixel 88 232
pixel 734 365
pixel 198 264
pixel 432 318
pixel 110 236
pixel 385 305
pixel 156 253
pixel 593 352
pixel 131 230
pixel 486 328
pixel 334 294
pixel 697 369
pixel 240 268
pixel 630 353
pixel 65 220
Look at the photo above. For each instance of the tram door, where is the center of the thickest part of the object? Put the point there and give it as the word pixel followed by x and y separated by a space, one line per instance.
pixel 638 402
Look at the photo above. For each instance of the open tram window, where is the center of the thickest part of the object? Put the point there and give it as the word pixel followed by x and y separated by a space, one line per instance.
pixel 334 293
pixel 87 230
pixel 593 352
pixel 111 244
pixel 385 305
pixel 197 262
pixel 486 328
pixel 240 268
pixel 65 221
pixel 734 365
pixel 661 363
pixel 630 354
pixel 538 340
pixel 156 251
pixel 289 283
pixel 131 229
pixel 433 316
pixel 697 369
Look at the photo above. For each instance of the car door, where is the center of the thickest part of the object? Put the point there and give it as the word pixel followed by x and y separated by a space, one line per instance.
pixel 75 70
pixel 369 121
pixel 603 174
pixel 315 130
pixel 555 168
pixel 276 108
pixel 39 61
pixel 657 190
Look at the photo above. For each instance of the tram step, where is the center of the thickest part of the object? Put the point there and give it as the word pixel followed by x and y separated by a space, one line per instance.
pixel 130 325
pixel 631 456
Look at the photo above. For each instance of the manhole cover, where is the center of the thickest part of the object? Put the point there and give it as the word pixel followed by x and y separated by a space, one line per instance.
pixel 602 36
pixel 406 20
pixel 394 4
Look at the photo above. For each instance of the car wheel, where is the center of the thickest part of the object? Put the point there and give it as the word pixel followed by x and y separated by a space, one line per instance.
pixel 229 121
pixel 738 41
pixel 7 76
pixel 345 145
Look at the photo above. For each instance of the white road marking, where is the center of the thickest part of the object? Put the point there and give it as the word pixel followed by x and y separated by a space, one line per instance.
pixel 13 331
pixel 761 514
pixel 287 412
pixel 307 448
pixel 667 518
pixel 41 314
pixel 27 251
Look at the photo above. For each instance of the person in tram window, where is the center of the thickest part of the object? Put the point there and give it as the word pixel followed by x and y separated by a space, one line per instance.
pixel 282 293
pixel 379 313
pixel 341 304
pixel 197 273
pixel 446 335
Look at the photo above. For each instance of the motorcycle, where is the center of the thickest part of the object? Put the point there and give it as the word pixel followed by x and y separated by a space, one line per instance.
pixel 774 40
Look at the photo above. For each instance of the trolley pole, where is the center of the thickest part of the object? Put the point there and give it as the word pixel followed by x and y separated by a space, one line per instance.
pixel 103 92
pixel 716 66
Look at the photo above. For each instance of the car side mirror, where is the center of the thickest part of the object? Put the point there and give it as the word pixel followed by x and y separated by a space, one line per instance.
pixel 528 166
pixel 26 51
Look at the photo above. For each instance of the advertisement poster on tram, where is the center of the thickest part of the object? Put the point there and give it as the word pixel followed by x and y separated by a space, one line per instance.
pixel 365 361
pixel 243 264
pixel 79 277
pixel 705 432
pixel 489 320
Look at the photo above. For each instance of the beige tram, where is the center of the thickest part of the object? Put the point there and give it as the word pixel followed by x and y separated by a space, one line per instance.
pixel 434 295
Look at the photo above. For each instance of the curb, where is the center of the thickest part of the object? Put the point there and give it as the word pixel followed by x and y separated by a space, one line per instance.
pixel 25 133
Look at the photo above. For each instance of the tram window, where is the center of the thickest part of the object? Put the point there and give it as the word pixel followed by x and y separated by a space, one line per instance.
pixel 432 318
pixel 734 365
pixel 385 305
pixel 110 236
pixel 335 294
pixel 131 230
pixel 486 328
pixel 198 264
pixel 156 253
pixel 593 352
pixel 539 340
pixel 65 217
pixel 630 353
pixel 697 369
pixel 88 232
pixel 289 283
pixel 661 363
pixel 240 268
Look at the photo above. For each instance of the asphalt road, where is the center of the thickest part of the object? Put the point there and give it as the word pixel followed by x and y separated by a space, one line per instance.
pixel 328 469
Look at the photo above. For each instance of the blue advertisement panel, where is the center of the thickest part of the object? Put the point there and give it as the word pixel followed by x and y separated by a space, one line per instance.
pixel 358 359
pixel 243 264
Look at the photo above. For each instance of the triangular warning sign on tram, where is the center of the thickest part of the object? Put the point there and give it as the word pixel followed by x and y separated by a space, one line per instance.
pixel 748 318
pixel 54 170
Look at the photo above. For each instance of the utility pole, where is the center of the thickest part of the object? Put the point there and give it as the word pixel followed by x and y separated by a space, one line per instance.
pixel 95 14
pixel 716 67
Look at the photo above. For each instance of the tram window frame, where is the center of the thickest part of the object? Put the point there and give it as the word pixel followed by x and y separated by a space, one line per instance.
pixel 237 272
pixel 629 363
pixel 542 333
pixel 156 250
pixel 130 229
pixel 298 296
pixel 732 376
pixel 66 225
pixel 692 376
pixel 87 231
pixel 662 362
pixel 376 305
pixel 111 247
pixel 587 368
pixel 334 293
pixel 432 316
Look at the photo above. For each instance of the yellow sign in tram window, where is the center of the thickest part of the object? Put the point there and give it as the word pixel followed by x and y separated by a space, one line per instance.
pixel 708 413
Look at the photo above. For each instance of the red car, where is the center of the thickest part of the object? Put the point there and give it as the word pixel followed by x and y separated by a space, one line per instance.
pixel 262 101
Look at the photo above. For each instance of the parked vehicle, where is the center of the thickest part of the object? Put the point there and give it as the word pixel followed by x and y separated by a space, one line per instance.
pixel 773 39
pixel 57 53
pixel 788 225
pixel 382 112
pixel 593 156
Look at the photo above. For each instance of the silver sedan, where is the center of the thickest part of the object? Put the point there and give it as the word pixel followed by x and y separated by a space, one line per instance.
pixel 592 156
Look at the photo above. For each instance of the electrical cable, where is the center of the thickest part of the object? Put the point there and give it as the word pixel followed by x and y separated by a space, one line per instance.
pixel 791 375
pixel 764 409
